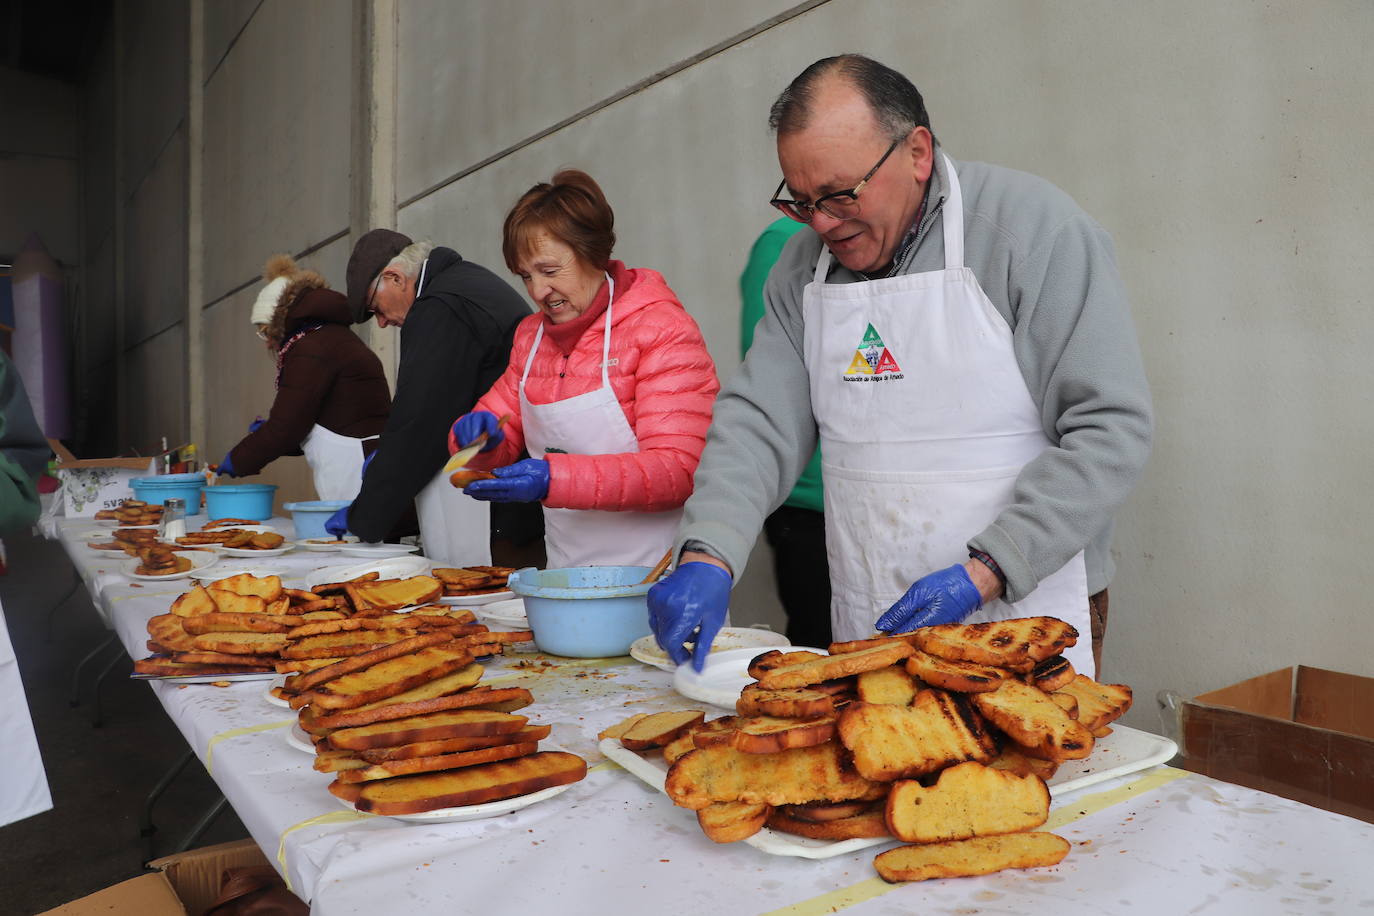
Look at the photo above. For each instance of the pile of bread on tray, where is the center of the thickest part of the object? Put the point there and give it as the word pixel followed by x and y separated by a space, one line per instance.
pixel 473 580
pixel 131 512
pixel 246 624
pixel 240 538
pixel 130 541
pixel 942 738
pixel 406 728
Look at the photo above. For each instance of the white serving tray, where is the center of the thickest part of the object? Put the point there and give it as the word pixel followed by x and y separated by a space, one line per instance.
pixel 1125 750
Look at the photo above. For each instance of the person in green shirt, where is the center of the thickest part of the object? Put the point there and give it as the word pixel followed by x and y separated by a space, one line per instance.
pixel 23 452
pixel 796 531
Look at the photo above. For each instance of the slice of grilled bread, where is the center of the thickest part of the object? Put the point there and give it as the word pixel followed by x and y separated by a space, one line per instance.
pixel 771 734
pixel 240 623
pixel 388 678
pixel 791 702
pixel 450 691
pixel 305 682
pixel 829 667
pixel 435 726
pixel 978 856
pixel 196 601
pixel 1051 674
pixel 820 812
pixel 1032 719
pixel 878 639
pixel 1016 644
pixel 898 742
pixel 528 734
pixel 227 602
pixel 325 645
pixel 776 658
pixel 1098 704
pixel 621 727
pixel 687 741
pixel 866 824
pixel 239 643
pixel 730 822
pixel 1014 759
pixel 268 588
pixel 722 774
pixel 198 657
pixel 390 594
pixel 960 677
pixel 886 685
pixel 660 728
pixel 967 800
pixel 300 665
pixel 410 765
pixel 169 630
pixel 470 785
pixel 166 667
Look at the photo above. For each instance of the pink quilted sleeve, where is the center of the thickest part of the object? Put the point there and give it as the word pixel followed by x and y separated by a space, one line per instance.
pixel 674 388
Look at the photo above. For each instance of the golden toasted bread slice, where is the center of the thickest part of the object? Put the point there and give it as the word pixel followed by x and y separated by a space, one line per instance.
pixel 530 733
pixel 392 594
pixel 325 645
pixel 169 630
pixel 1014 759
pixel 241 623
pixel 865 824
pixel 1051 674
pixel 660 728
pixel 790 702
pixel 456 723
pixel 328 588
pixel 724 726
pixel 886 685
pixel 730 822
pixel 464 578
pixel 447 692
pixel 388 678
pixel 411 765
pixel 878 639
pixel 621 727
pixel 820 812
pixel 1016 644
pixel 1098 704
pixel 166 667
pixel 776 658
pixel 327 761
pixel 471 785
pixel 723 774
pixel 1031 718
pixel 359 662
pixel 196 601
pixel 266 540
pixel 200 657
pixel 978 856
pixel 1067 702
pixel 960 677
pixel 227 602
pixel 298 665
pixel 239 643
pixel 967 800
pixel 268 588
pixel 770 734
pixel 829 667
pixel 899 742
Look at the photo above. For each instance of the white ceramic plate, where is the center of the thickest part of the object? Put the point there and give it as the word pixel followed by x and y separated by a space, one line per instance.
pixel 200 559
pixel 394 568
pixel 377 551
pixel 298 739
pixel 244 552
pixel 508 613
pixel 271 698
pixel 478 600
pixel 725 675
pixel 322 545
pixel 1124 751
pixel 205 678
pixel 256 529
pixel 646 650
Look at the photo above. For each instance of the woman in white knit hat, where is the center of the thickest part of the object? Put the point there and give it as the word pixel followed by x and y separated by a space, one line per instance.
pixel 332 398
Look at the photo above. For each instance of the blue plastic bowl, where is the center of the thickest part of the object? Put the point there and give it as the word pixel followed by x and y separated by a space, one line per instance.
pixel 153 490
pixel 252 501
pixel 585 611
pixel 309 517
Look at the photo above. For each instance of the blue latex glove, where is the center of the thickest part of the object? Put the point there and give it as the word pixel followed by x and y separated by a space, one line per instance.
pixel 471 425
pixel 523 482
pixel 338 522
pixel 689 604
pixel 226 468
pixel 253 427
pixel 946 596
pixel 367 461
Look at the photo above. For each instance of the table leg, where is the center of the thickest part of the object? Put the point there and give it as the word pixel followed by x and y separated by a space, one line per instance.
pixel 98 718
pixel 52 611
pixel 203 824
pixel 109 640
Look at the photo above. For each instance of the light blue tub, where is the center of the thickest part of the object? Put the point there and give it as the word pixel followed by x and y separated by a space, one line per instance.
pixel 252 501
pixel 585 611
pixel 153 490
pixel 309 516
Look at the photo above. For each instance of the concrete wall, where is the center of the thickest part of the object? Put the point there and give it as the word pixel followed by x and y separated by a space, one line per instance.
pixel 40 179
pixel 1223 145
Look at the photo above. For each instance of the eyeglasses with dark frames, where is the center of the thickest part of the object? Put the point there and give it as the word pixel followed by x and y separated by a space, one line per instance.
pixel 372 296
pixel 839 204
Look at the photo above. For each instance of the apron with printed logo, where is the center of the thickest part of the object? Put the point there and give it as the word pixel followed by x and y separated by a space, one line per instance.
pixel 592 424
pixel 925 423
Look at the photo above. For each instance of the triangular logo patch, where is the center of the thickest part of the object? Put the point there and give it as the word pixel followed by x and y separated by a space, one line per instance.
pixel 873 361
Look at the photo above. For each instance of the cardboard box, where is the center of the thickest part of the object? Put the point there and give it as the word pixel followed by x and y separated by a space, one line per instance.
pixel 92 484
pixel 185 883
pixel 1302 733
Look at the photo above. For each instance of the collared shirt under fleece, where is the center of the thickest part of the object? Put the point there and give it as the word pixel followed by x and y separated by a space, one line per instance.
pixel 1050 271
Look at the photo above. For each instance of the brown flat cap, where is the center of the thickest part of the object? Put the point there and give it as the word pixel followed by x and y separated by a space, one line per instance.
pixel 373 252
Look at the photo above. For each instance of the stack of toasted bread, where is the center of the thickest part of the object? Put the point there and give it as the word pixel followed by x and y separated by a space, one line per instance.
pixel 942 738
pixel 239 538
pixel 406 729
pixel 245 624
pixel 473 580
pixel 131 512
pixel 131 541
pixel 158 560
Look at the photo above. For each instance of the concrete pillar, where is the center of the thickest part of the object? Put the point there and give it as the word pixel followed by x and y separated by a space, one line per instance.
pixel 195 235
pixel 117 15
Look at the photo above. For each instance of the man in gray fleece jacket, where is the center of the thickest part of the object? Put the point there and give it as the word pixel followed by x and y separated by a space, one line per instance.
pixel 985 408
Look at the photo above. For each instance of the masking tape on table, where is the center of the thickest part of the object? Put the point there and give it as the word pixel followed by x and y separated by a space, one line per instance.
pixel 333 817
pixel 870 888
pixel 237 733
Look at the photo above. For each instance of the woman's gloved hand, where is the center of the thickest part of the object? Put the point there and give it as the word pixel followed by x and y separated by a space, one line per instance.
pixel 253 427
pixel 226 468
pixel 337 524
pixel 689 604
pixel 471 425
pixel 945 596
pixel 523 482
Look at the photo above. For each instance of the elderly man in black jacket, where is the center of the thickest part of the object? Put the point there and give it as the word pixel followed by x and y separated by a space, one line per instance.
pixel 457 319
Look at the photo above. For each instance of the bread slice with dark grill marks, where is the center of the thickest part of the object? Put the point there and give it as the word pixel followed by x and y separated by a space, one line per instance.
pixel 1016 644
pixel 723 774
pixel 1032 719
pixel 937 730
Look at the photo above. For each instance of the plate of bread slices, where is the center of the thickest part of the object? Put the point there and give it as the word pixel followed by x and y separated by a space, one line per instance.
pixel 327 545
pixel 646 649
pixel 157 563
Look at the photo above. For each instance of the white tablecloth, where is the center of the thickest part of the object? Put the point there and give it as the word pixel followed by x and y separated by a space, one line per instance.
pixel 1164 841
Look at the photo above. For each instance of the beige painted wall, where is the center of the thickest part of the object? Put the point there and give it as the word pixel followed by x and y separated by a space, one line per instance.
pixel 1224 145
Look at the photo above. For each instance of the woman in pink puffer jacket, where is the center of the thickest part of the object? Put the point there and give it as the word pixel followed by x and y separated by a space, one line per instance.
pixel 614 428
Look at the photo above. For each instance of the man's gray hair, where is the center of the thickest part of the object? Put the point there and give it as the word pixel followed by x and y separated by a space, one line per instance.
pixel 895 102
pixel 409 258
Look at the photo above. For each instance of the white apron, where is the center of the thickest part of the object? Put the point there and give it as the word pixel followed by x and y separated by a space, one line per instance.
pixel 455 530
pixel 925 422
pixel 336 462
pixel 592 424
pixel 23 782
